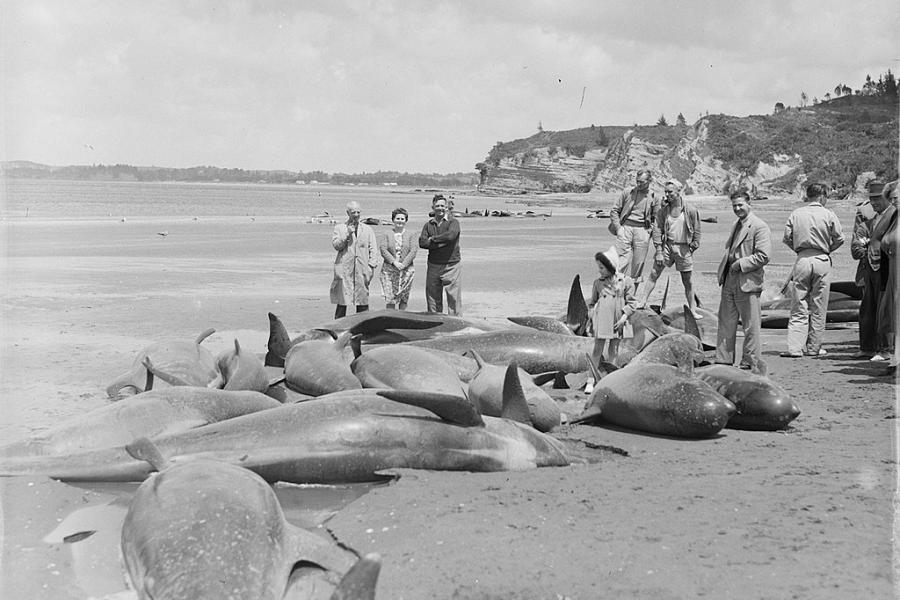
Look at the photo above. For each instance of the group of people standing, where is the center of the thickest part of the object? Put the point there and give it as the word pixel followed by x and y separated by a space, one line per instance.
pixel 813 232
pixel 360 252
pixel 672 225
pixel 874 245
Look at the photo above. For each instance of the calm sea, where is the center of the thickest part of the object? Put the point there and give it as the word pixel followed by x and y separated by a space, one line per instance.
pixel 97 199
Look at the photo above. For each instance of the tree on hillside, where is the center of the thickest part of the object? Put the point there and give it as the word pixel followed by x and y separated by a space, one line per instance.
pixel 890 84
pixel 827 97
pixel 846 91
pixel 779 107
pixel 662 121
pixel 803 98
pixel 839 89
pixel 869 88
pixel 680 121
pixel 540 127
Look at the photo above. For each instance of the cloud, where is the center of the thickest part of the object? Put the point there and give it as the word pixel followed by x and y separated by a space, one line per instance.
pixel 366 85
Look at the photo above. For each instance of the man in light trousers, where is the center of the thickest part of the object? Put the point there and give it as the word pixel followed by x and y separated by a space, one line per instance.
pixel 813 232
pixel 630 220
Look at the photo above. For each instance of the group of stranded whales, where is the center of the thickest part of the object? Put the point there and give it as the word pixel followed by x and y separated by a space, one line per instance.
pixel 240 546
pixel 351 401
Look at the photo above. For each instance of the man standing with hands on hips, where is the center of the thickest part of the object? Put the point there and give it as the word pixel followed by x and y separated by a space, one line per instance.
pixel 440 236
pixel 741 275
pixel 676 236
pixel 355 263
pixel 630 220
pixel 813 232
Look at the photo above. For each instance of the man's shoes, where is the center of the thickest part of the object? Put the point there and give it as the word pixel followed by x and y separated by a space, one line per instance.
pixel 862 354
pixel 822 352
pixel 745 367
pixel 880 357
pixel 791 355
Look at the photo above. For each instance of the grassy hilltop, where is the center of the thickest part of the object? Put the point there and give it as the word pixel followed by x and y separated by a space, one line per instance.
pixel 833 141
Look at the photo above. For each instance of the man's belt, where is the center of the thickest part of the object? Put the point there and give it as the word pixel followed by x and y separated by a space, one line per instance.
pixel 632 223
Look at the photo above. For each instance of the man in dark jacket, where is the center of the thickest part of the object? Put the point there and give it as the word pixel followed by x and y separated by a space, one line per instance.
pixel 868 276
pixel 440 236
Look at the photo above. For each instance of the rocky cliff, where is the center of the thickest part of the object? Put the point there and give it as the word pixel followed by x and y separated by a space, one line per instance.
pixel 833 142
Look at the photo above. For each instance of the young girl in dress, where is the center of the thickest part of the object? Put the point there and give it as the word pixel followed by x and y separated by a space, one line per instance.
pixel 612 302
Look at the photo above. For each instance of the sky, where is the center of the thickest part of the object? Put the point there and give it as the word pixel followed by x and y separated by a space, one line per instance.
pixel 407 85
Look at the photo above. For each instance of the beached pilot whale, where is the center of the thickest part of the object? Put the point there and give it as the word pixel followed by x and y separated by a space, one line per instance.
pixel 235 370
pixel 486 390
pixel 208 529
pixel 762 405
pixel 659 399
pixel 157 412
pixel 340 438
pixel 188 361
pixel 386 326
pixel 533 350
pixel 403 367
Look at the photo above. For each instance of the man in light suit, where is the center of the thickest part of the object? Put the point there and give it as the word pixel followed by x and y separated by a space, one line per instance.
pixel 741 275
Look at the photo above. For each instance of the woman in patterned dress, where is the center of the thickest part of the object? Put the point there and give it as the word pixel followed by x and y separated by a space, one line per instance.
pixel 398 248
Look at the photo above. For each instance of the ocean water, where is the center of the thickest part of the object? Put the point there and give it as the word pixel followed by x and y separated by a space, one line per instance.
pixel 44 198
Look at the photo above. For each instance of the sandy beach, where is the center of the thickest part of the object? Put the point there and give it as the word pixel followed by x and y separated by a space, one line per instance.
pixel 802 513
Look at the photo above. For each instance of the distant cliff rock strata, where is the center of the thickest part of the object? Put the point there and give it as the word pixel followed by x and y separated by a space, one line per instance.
pixel 833 142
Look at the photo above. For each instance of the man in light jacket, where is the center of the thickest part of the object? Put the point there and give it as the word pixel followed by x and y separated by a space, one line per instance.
pixel 676 236
pixel 813 232
pixel 741 274
pixel 630 220
pixel 355 263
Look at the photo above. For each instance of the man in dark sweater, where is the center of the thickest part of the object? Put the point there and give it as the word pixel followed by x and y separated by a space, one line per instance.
pixel 440 236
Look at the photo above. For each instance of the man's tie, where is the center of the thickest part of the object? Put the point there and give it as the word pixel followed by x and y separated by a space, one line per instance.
pixel 731 239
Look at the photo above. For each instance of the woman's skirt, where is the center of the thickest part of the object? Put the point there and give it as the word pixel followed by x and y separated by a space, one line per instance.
pixel 396 283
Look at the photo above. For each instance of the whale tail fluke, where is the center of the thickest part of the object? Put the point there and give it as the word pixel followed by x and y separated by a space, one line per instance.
pixel 154 372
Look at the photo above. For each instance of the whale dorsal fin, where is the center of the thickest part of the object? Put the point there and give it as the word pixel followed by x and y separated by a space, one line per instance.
pixel 576 308
pixel 143 449
pixel 515 408
pixel 205 335
pixel 279 342
pixel 360 581
pixel 478 360
pixel 343 340
pixel 690 323
pixel 662 306
pixel 356 345
pixel 449 407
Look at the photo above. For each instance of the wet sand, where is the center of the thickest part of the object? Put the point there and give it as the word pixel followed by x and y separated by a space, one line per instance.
pixel 798 514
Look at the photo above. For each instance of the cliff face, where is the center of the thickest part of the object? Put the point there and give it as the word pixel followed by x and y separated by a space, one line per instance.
pixel 613 168
pixel 774 154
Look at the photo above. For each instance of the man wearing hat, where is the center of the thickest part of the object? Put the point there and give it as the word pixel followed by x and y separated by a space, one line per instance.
pixel 440 236
pixel 872 218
